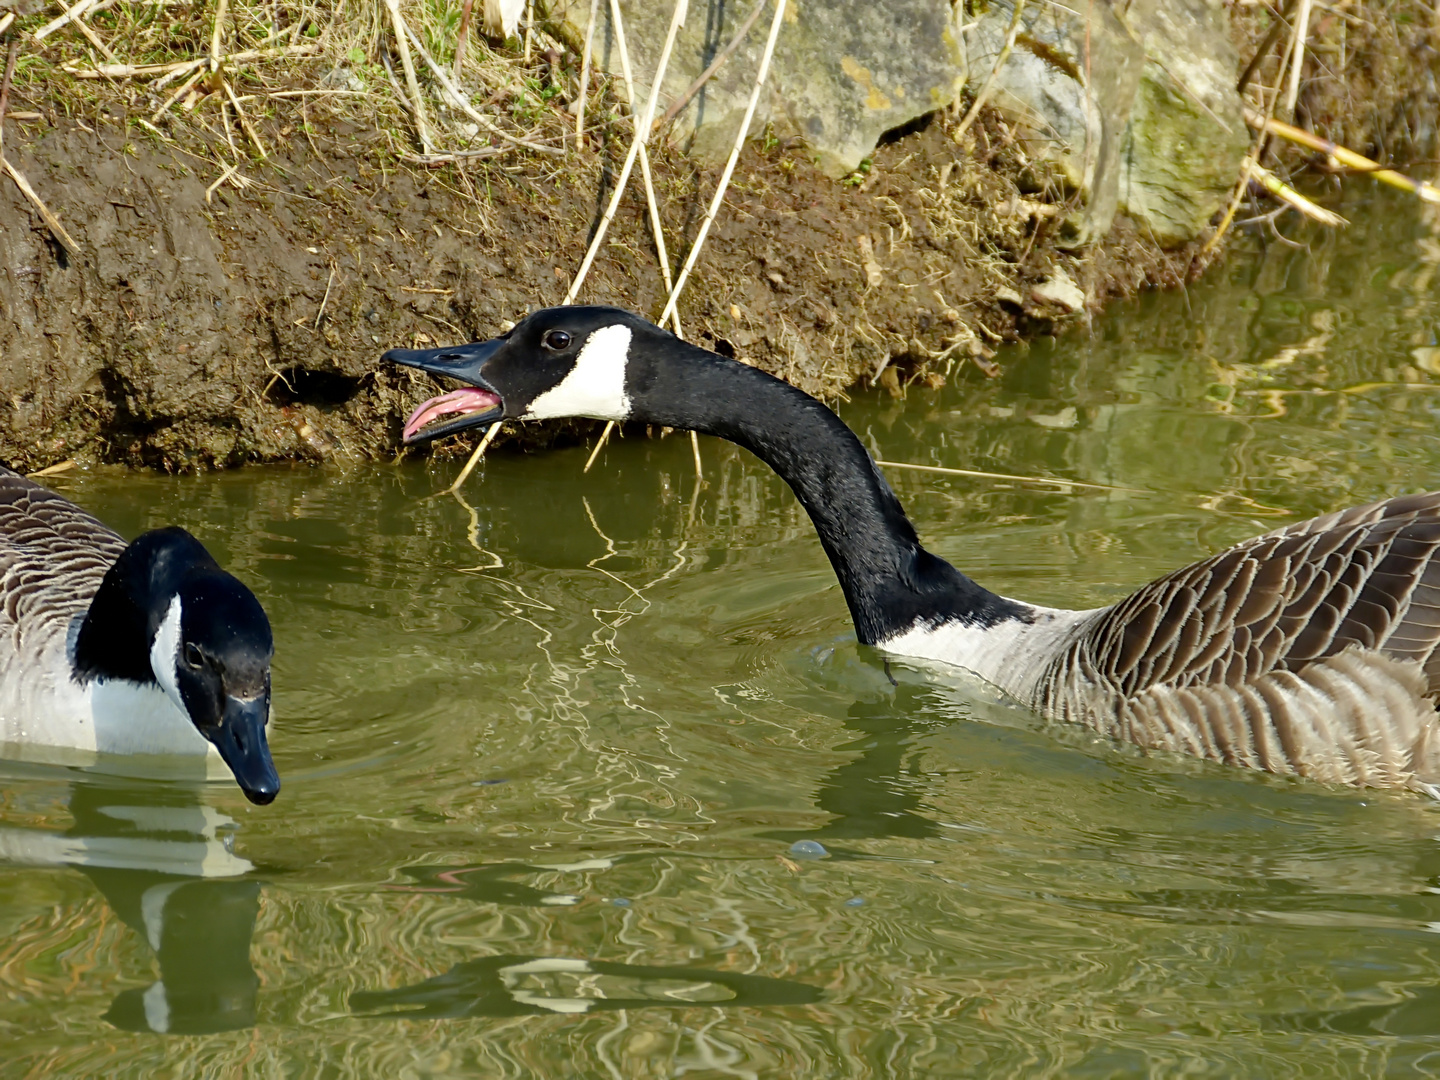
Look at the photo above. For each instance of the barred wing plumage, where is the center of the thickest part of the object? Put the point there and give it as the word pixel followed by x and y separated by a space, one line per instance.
pixel 53 557
pixel 1311 650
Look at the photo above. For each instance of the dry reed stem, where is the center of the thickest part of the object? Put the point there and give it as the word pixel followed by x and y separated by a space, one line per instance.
pixel 244 120
pixel 51 221
pixel 529 22
pixel 329 284
pixel 229 135
pixel 73 12
pixel 94 39
pixel 599 445
pixel 1271 36
pixel 462 38
pixel 178 94
pixel 51 470
pixel 1344 156
pixel 1297 61
pixel 585 74
pixel 135 71
pixel 705 76
pixel 1292 198
pixel 989 82
pixel 229 171
pixel 1004 476
pixel 485 441
pixel 650 201
pixel 455 155
pixel 715 202
pixel 10 59
pixel 1257 147
pixel 637 148
pixel 465 106
pixel 417 102
pixel 642 129
pixel 216 33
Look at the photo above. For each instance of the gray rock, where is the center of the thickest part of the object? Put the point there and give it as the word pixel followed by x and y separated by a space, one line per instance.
pixel 1074 121
pixel 1135 107
pixel 844 73
pixel 1131 101
pixel 1187 132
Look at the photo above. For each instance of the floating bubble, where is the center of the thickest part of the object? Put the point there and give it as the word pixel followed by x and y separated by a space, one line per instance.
pixel 855 901
pixel 808 849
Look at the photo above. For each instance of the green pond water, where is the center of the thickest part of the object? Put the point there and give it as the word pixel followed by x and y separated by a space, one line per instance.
pixel 548 752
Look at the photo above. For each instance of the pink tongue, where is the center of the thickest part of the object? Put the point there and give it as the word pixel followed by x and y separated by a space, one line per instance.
pixel 468 399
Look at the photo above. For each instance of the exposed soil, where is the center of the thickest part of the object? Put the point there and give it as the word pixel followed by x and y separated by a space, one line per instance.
pixel 199 331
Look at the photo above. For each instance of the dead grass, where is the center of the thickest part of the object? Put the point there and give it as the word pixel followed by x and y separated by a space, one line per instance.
pixel 228 80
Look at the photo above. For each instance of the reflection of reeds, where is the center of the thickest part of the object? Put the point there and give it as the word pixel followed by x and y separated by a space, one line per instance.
pixel 1344 88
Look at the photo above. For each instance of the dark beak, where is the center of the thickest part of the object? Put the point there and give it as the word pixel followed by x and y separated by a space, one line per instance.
pixel 470 407
pixel 240 739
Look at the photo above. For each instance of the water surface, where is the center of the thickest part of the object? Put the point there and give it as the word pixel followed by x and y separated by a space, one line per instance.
pixel 559 756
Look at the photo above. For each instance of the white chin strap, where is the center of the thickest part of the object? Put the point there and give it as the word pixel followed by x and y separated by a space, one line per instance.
pixel 165 654
pixel 595 386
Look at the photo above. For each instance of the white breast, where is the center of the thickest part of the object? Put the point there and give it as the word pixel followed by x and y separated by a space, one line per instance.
pixel 1010 654
pixel 42 706
pixel 105 717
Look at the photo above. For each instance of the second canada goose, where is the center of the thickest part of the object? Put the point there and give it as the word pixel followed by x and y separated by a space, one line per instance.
pixel 140 648
pixel 1308 651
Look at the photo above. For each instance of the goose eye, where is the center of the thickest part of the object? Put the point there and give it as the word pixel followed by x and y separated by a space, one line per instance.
pixel 556 340
pixel 192 655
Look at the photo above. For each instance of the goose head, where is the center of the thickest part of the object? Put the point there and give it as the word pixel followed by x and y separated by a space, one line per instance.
pixel 167 615
pixel 211 655
pixel 555 363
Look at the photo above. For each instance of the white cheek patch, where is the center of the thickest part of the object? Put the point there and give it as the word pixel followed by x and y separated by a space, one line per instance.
pixel 165 653
pixel 595 387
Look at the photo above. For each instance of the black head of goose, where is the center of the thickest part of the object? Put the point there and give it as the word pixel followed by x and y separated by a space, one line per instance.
pixel 1309 651
pixel 145 648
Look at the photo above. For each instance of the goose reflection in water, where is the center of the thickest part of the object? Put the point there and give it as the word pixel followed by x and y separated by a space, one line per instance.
pixel 537 985
pixel 163 861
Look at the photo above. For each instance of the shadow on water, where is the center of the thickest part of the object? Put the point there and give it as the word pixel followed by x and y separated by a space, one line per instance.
pixel 873 796
pixel 1415 1016
pixel 535 985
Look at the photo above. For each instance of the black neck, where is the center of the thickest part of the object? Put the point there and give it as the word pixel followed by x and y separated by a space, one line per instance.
pixel 114 640
pixel 890 581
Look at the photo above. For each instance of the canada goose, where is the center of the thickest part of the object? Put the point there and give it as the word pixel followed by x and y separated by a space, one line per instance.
pixel 1309 651
pixel 146 648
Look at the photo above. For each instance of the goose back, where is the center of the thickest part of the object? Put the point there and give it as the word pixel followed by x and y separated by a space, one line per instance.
pixel 1311 650
pixel 53 556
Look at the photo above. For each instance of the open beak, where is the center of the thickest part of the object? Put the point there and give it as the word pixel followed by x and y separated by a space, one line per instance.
pixel 240 739
pixel 471 406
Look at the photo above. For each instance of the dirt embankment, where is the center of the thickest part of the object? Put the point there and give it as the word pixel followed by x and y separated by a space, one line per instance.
pixel 206 326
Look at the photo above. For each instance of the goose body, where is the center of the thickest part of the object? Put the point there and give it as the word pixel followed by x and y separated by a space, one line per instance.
pixel 1309 651
pixel 115 648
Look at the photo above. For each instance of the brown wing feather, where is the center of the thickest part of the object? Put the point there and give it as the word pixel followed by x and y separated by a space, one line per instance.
pixel 1365 578
pixel 1287 652
pixel 53 556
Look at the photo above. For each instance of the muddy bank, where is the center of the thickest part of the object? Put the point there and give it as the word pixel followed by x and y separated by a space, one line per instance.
pixel 195 333
pixel 203 326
